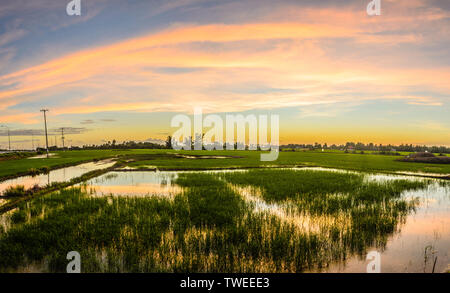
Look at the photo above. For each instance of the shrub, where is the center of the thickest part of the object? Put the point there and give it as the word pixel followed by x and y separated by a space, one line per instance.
pixel 33 171
pixel 19 217
pixel 44 169
pixel 14 191
pixel 35 188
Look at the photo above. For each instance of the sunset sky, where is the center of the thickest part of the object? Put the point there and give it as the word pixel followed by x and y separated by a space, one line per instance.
pixel 123 69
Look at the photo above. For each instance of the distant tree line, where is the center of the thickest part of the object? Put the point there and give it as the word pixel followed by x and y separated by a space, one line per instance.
pixel 349 146
pixel 111 145
pixel 359 146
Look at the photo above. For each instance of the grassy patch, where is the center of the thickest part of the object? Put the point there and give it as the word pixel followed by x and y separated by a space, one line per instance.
pixel 21 167
pixel 16 155
pixel 15 191
pixel 317 191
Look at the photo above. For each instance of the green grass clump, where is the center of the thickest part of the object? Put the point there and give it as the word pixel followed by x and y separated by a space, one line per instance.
pixel 15 191
pixel 19 216
pixel 281 185
pixel 321 192
pixel 44 169
pixel 209 201
pixel 370 211
pixel 127 226
pixel 33 171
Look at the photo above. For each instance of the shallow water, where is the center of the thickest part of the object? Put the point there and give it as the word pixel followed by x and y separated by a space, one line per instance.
pixel 42 156
pixel 406 249
pixel 139 183
pixel 429 225
pixel 58 175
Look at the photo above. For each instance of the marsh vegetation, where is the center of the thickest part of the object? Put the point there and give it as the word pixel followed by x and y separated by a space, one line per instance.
pixel 260 220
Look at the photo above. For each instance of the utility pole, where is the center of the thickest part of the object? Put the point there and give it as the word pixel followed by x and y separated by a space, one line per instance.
pixel 46 136
pixel 32 140
pixel 62 136
pixel 9 140
pixel 9 137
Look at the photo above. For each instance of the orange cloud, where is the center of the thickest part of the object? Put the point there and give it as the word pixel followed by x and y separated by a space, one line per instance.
pixel 283 64
pixel 25 118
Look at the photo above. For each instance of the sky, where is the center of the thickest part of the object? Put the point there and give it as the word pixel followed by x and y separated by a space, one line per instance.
pixel 123 69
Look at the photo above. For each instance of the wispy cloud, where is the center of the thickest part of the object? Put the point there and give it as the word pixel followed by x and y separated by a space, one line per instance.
pixel 327 109
pixel 123 71
pixel 89 121
pixel 11 36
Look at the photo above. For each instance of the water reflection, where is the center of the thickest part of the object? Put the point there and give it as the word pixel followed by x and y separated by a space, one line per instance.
pixel 134 184
pixel 140 183
pixel 347 237
pixel 402 250
pixel 429 225
pixel 286 211
pixel 59 175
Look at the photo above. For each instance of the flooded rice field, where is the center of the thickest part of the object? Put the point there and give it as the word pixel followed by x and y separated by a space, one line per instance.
pixel 423 234
pixel 262 220
pixel 58 175
pixel 422 237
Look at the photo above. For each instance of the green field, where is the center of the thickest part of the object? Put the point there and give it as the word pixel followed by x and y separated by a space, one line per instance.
pixel 164 160
pixel 62 159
